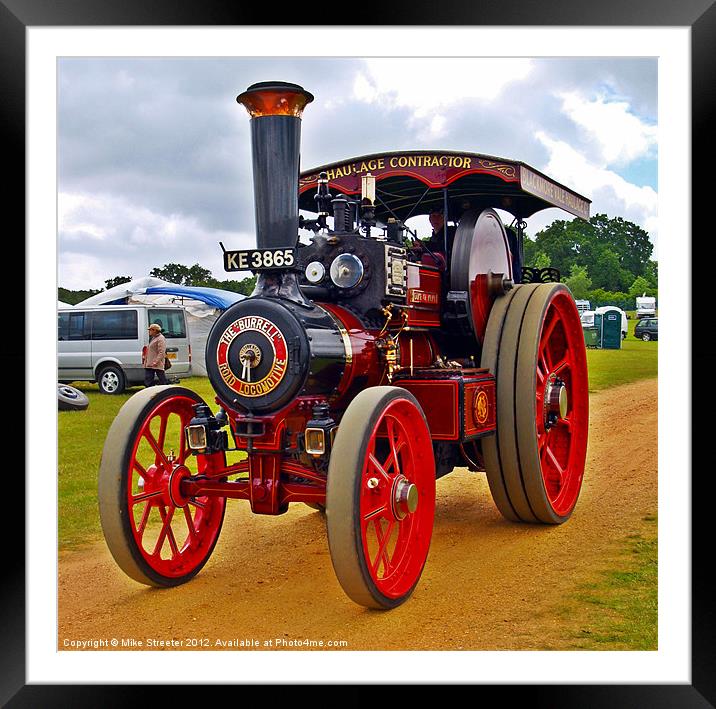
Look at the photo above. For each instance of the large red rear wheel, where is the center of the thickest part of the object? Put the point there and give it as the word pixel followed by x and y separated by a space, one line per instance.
pixel 156 536
pixel 380 497
pixel 535 347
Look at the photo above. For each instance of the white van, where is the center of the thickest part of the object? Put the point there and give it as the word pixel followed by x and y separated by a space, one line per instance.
pixel 104 344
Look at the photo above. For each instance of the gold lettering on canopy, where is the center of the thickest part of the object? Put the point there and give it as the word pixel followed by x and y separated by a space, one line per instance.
pixel 391 164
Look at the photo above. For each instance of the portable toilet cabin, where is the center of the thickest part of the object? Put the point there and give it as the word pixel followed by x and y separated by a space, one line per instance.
pixel 609 325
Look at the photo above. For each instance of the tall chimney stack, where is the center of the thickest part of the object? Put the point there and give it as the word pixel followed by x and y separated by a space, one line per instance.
pixel 275 108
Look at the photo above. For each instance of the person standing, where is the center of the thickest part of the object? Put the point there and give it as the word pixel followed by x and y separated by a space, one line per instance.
pixel 153 361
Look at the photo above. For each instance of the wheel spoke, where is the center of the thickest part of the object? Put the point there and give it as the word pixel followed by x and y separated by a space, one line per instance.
pixel 376 511
pixel 172 542
pixel 144 520
pixel 550 329
pixel 190 523
pixel 160 457
pixel 562 364
pixel 541 442
pixel 166 528
pixel 383 539
pixel 145 496
pixel 556 465
pixel 542 363
pixel 379 468
pixel 140 469
pixel 164 418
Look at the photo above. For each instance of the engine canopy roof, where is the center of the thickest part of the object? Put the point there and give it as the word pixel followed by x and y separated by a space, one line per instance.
pixel 412 183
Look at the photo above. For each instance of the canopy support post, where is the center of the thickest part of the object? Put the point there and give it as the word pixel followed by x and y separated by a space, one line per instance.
pixel 445 221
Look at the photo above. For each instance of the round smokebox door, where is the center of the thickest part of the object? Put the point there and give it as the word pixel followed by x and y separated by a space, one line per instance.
pixel 257 355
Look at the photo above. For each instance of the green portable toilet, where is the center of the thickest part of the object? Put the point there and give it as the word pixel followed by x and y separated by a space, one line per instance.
pixel 591 336
pixel 609 324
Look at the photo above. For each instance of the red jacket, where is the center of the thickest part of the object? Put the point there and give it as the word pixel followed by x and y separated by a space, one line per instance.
pixel 156 352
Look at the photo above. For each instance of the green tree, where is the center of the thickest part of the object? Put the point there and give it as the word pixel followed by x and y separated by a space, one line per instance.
pixel 529 251
pixel 579 282
pixel 639 286
pixel 542 261
pixel 614 250
pixel 651 273
pixel 627 240
pixel 74 296
pixel 607 271
pixel 116 281
pixel 560 241
pixel 195 275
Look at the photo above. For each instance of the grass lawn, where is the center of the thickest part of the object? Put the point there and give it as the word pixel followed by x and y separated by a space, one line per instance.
pixel 619 610
pixel 635 360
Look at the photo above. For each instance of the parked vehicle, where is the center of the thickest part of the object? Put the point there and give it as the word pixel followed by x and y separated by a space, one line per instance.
pixel 645 307
pixel 364 366
pixel 105 343
pixel 647 329
pixel 583 306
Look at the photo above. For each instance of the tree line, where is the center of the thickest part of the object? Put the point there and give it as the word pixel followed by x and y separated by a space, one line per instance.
pixel 605 260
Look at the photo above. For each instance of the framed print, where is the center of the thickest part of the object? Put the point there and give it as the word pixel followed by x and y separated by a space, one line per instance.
pixel 56 44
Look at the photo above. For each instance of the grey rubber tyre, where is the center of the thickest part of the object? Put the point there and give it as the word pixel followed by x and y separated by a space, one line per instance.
pixel 646 337
pixel 499 355
pixel 111 379
pixel 360 435
pixel 71 399
pixel 115 475
pixel 535 467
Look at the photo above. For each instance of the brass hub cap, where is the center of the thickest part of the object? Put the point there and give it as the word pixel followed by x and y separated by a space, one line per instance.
pixel 556 402
pixel 405 497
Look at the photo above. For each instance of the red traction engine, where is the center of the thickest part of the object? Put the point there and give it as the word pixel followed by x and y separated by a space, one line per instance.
pixel 365 365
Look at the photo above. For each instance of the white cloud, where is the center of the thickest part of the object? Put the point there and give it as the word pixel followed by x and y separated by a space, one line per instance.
pixel 610 193
pixel 618 135
pixel 428 85
pixel 140 239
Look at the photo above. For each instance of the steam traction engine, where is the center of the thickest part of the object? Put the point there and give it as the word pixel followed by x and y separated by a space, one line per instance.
pixel 365 365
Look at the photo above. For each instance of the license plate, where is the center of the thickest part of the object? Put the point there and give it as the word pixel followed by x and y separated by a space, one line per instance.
pixel 171 355
pixel 259 259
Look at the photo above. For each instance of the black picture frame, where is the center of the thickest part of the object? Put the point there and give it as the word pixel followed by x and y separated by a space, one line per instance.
pixel 700 15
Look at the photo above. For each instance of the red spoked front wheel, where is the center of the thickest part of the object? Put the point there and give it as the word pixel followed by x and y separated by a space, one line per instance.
pixel 156 535
pixel 380 497
pixel 535 347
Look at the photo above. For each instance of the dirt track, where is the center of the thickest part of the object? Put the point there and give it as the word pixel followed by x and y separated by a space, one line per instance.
pixel 488 584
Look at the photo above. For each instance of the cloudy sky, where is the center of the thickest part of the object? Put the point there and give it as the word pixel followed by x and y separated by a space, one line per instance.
pixel 154 154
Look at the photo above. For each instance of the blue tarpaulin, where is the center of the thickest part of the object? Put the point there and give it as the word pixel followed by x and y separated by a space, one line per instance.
pixel 215 297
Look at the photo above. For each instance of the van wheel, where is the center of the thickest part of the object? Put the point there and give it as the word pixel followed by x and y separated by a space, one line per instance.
pixel 646 337
pixel 111 380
